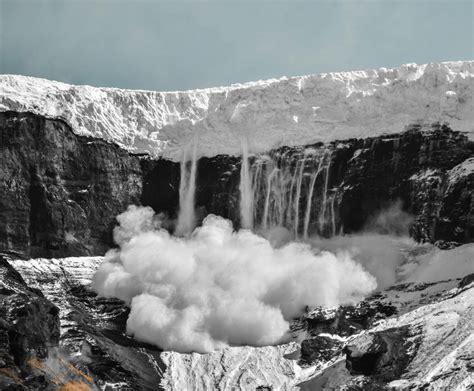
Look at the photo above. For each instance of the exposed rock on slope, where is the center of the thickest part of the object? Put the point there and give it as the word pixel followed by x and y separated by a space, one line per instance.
pixel 456 212
pixel 92 328
pixel 29 327
pixel 60 192
pixel 363 177
pixel 271 113
pixel 428 346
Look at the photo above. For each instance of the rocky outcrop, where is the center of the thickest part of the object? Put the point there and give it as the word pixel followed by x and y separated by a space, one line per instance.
pixel 29 328
pixel 383 355
pixel 60 192
pixel 93 329
pixel 348 320
pixel 426 344
pixel 364 176
pixel 456 211
pixel 319 349
pixel 382 170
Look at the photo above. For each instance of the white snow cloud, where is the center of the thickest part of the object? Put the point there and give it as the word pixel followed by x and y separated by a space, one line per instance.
pixel 219 287
pixel 438 265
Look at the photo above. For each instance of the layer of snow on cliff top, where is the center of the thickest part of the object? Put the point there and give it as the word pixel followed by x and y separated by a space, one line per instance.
pixel 286 111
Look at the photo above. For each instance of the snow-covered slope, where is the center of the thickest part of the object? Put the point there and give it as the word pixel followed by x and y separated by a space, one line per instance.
pixel 286 111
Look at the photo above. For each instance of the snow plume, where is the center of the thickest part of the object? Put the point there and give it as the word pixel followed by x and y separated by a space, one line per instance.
pixel 437 265
pixel 187 188
pixel 382 245
pixel 245 187
pixel 380 255
pixel 219 287
pixel 392 220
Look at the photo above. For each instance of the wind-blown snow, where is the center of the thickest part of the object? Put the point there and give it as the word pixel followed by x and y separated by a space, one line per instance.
pixel 219 287
pixel 439 265
pixel 286 111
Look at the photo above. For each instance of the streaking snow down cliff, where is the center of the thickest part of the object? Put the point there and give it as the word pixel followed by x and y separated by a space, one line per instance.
pixel 286 111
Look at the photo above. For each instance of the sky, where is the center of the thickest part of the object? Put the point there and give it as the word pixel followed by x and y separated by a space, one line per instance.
pixel 182 44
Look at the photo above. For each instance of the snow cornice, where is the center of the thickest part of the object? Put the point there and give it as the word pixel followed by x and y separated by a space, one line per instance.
pixel 269 113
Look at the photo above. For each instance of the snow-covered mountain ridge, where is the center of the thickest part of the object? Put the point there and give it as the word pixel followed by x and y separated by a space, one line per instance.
pixel 275 112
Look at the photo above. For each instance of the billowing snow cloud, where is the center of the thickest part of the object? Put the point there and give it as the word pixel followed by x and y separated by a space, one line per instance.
pixel 219 287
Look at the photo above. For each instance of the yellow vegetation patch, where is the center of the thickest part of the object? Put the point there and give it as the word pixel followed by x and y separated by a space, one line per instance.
pixel 80 373
pixel 75 386
pixel 61 373
pixel 35 363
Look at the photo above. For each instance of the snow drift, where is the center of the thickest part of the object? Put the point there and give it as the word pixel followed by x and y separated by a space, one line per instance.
pixel 219 287
pixel 271 113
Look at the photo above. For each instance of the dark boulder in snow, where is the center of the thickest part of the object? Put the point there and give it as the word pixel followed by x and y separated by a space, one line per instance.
pixel 319 349
pixel 348 320
pixel 383 355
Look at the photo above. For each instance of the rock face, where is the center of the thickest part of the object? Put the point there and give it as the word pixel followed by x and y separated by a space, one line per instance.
pixel 93 337
pixel 385 169
pixel 61 192
pixel 352 181
pixel 383 355
pixel 456 212
pixel 29 328
pixel 425 344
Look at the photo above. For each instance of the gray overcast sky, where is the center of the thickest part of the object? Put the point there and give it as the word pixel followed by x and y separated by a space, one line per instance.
pixel 175 45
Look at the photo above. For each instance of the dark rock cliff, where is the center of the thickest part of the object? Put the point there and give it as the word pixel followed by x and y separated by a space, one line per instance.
pixel 60 192
pixel 365 176
pixel 29 327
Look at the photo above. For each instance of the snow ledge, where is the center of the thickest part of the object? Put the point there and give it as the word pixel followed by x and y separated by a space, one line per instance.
pixel 270 113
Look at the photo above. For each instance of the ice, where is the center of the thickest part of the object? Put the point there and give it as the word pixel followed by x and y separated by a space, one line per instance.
pixel 287 111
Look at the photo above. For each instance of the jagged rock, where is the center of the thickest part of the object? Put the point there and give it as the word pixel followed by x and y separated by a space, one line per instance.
pixel 395 168
pixel 456 212
pixel 382 355
pixel 444 204
pixel 60 192
pixel 364 354
pixel 348 320
pixel 93 329
pixel 390 166
pixel 467 280
pixel 319 349
pixel 29 328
